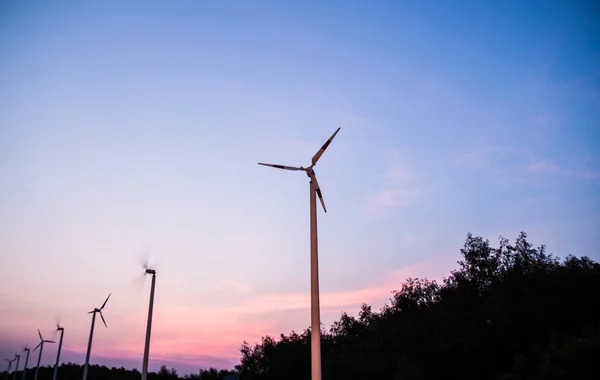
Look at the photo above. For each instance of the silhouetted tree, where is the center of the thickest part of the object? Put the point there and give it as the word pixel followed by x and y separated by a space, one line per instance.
pixel 511 312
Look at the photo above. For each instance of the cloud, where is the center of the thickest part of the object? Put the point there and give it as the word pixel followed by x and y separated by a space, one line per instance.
pixel 400 186
pixel 546 166
pixel 380 202
pixel 219 331
pixel 509 165
pixel 264 305
pixel 228 283
pixel 351 121
pixel 483 157
pixel 188 337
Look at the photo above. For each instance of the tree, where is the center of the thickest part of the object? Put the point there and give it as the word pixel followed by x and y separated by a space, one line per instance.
pixel 493 316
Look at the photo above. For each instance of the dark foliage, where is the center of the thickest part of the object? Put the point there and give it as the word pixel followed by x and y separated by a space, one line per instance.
pixel 72 371
pixel 512 312
pixel 507 313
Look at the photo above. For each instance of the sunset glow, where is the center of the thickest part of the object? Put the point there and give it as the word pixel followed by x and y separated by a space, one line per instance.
pixel 133 129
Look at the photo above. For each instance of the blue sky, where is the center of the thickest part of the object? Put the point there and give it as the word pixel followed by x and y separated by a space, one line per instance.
pixel 132 127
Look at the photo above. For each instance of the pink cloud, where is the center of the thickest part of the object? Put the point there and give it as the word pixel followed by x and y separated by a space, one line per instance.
pixel 220 331
pixel 401 186
pixel 201 336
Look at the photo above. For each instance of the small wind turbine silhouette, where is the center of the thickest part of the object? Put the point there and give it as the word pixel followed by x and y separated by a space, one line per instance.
pixel 41 347
pixel 315 330
pixel 149 325
pixel 62 331
pixel 26 350
pixel 89 349
pixel 9 365
pixel 17 358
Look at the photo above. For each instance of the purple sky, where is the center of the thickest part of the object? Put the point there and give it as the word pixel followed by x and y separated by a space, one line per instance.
pixel 134 128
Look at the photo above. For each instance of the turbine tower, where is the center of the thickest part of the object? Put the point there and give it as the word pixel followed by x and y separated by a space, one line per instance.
pixel 89 348
pixel 62 332
pixel 26 350
pixel 149 326
pixel 41 347
pixel 315 190
pixel 17 358
pixel 9 365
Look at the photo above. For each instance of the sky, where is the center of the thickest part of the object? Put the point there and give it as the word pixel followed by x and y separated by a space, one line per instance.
pixel 133 129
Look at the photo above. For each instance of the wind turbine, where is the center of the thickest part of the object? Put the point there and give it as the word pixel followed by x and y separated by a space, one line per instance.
pixel 9 365
pixel 26 360
pixel 87 356
pixel 62 332
pixel 17 358
pixel 315 330
pixel 41 347
pixel 149 326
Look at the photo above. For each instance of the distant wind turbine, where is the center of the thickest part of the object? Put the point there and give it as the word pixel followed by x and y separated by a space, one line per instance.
pixel 89 349
pixel 149 325
pixel 41 347
pixel 17 358
pixel 315 330
pixel 9 365
pixel 26 350
pixel 62 331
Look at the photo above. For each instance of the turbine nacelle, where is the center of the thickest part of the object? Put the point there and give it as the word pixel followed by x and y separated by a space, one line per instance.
pixel 96 310
pixel 309 170
pixel 146 266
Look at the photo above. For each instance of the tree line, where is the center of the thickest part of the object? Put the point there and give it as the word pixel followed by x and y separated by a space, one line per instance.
pixel 506 313
pixel 73 371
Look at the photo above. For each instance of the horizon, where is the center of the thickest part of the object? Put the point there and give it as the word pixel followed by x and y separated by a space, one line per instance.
pixel 131 132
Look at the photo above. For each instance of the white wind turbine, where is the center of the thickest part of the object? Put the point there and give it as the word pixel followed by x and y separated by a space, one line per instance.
pixel 26 350
pixel 17 358
pixel 89 348
pixel 62 332
pixel 315 329
pixel 9 365
pixel 41 347
pixel 149 325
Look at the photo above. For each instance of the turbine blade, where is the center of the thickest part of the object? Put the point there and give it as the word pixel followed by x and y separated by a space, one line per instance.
pixel 144 260
pixel 49 341
pixel 281 166
pixel 91 312
pixel 38 346
pixel 137 284
pixel 322 150
pixel 102 316
pixel 318 190
pixel 40 334
pixel 105 302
